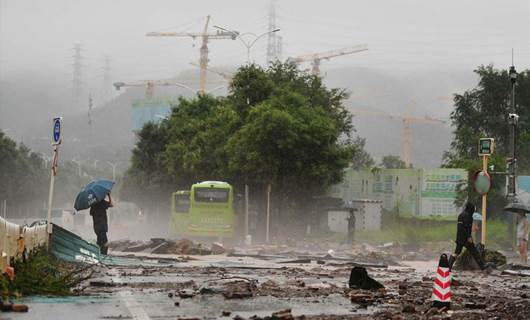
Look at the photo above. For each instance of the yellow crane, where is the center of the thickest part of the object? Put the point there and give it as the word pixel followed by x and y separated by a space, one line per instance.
pixel 407 131
pixel 150 85
pixel 223 74
pixel 316 58
pixel 205 36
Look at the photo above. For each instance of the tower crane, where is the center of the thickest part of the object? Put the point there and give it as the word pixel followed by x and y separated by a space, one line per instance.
pixel 150 85
pixel 223 74
pixel 205 36
pixel 316 58
pixel 407 131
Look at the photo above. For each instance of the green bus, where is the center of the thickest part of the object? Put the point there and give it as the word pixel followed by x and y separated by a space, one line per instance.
pixel 210 210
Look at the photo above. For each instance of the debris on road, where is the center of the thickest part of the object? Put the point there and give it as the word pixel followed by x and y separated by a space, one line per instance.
pixel 166 246
pixel 359 279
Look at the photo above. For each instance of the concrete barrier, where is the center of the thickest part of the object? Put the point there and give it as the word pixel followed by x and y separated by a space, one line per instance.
pixel 16 240
pixel 10 234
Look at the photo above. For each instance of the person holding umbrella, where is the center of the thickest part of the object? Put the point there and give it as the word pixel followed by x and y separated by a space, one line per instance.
pixel 521 210
pixel 522 236
pixel 98 212
pixel 93 196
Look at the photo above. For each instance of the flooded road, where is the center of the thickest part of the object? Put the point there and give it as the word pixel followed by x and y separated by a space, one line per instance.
pixel 164 286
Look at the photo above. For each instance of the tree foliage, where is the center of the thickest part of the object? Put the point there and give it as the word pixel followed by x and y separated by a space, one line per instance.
pixel 393 162
pixel 361 158
pixel 483 112
pixel 21 175
pixel 277 126
pixel 24 177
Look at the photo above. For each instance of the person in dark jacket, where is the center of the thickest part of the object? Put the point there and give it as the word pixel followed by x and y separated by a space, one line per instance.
pixel 101 226
pixel 351 225
pixel 464 238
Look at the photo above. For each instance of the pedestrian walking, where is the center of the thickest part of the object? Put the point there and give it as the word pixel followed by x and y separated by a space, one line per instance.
pixel 464 238
pixel 98 212
pixel 351 225
pixel 522 236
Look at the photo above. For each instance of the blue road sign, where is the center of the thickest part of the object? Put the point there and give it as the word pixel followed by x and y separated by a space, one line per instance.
pixel 56 135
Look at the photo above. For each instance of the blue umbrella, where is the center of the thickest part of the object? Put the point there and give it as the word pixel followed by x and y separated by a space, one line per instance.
pixel 93 193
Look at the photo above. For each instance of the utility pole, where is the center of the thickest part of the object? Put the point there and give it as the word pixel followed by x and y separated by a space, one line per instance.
pixel 274 41
pixel 267 228
pixel 90 104
pixel 106 79
pixel 77 76
pixel 513 119
pixel 246 212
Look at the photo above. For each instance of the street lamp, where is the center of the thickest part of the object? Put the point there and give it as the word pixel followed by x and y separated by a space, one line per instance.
pixel 513 75
pixel 113 165
pixel 247 43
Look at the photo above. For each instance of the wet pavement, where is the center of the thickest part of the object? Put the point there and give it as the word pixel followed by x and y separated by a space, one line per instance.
pixel 256 285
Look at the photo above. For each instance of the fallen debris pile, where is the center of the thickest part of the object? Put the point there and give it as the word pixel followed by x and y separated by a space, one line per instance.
pixel 466 262
pixel 166 246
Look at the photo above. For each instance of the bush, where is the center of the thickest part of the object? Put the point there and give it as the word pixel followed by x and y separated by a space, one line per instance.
pixel 42 274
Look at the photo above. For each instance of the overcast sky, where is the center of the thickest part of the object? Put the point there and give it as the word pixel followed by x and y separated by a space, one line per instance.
pixel 413 35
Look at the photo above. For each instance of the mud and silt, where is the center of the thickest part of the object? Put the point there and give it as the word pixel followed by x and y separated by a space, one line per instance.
pixel 301 286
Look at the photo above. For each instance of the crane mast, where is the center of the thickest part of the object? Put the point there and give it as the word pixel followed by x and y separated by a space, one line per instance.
pixel 204 51
pixel 407 130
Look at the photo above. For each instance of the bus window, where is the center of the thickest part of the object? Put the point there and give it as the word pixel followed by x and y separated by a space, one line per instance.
pixel 182 203
pixel 211 195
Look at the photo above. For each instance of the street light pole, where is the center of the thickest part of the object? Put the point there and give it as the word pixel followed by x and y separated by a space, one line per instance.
pixel 247 43
pixel 113 165
pixel 512 163
pixel 512 120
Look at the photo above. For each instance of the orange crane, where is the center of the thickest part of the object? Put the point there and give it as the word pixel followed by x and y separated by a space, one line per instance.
pixel 205 36
pixel 407 131
pixel 316 58
pixel 150 85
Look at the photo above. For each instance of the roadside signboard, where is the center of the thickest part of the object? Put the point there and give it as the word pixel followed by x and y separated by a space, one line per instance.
pixel 486 146
pixel 56 132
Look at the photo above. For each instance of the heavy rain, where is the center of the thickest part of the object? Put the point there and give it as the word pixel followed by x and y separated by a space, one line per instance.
pixel 264 159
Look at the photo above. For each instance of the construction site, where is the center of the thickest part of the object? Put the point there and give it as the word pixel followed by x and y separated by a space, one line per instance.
pixel 268 160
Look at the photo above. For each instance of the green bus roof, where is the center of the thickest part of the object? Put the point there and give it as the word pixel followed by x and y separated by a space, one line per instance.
pixel 212 184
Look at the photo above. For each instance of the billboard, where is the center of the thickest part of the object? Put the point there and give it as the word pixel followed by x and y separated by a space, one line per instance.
pixel 439 190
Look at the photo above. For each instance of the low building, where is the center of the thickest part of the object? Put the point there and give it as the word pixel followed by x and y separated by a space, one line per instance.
pixel 416 192
pixel 367 216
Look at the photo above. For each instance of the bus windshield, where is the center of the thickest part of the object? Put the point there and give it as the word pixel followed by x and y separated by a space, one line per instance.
pixel 211 195
pixel 182 203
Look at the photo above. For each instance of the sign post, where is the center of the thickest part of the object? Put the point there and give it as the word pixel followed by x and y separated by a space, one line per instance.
pixel 486 147
pixel 56 141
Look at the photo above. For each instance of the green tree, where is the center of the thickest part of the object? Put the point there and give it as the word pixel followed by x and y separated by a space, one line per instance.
pixel 392 162
pixel 278 126
pixel 483 112
pixel 361 159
